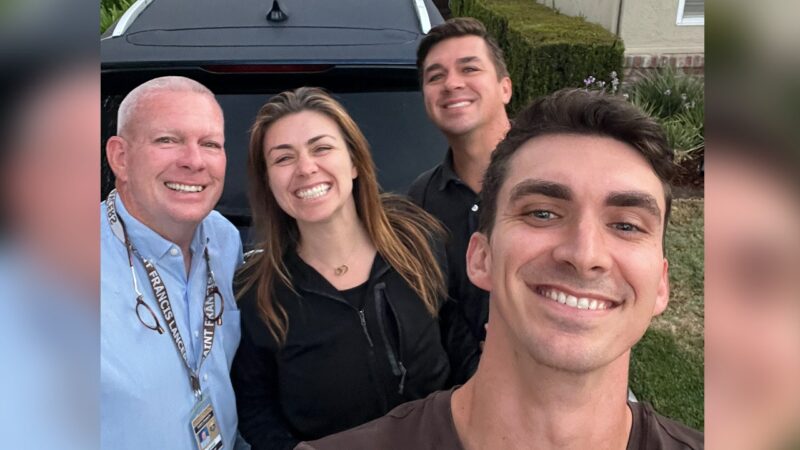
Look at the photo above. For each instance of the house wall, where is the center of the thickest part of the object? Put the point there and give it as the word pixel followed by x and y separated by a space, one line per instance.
pixel 647 26
pixel 602 12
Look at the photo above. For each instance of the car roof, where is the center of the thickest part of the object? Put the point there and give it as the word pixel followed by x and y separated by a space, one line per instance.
pixel 236 31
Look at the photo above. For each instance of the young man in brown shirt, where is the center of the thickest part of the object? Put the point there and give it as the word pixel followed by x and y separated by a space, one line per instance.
pixel 570 245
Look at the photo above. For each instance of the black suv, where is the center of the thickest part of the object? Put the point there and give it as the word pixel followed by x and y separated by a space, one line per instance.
pixel 363 51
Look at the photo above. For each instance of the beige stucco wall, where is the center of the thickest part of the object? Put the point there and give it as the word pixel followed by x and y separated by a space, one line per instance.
pixel 603 12
pixel 647 26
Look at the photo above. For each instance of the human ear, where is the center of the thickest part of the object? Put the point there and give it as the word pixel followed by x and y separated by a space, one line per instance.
pixel 506 89
pixel 662 295
pixel 479 261
pixel 116 154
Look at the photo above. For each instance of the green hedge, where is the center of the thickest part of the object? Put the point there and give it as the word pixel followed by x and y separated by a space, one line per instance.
pixel 545 50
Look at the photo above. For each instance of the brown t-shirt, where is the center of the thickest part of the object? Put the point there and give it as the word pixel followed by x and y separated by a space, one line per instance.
pixel 428 424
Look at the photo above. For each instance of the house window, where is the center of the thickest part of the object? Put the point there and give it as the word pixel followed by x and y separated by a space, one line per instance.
pixel 691 12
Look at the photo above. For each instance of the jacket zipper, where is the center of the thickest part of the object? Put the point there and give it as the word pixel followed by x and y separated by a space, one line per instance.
pixel 364 327
pixel 398 369
pixel 380 391
pixel 363 320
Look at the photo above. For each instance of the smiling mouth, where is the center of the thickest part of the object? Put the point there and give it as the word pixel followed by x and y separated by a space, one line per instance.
pixel 573 301
pixel 461 104
pixel 185 187
pixel 313 192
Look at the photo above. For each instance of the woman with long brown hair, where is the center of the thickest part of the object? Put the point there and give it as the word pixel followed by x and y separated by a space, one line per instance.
pixel 339 301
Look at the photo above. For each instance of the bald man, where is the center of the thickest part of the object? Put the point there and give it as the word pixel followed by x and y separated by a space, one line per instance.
pixel 170 326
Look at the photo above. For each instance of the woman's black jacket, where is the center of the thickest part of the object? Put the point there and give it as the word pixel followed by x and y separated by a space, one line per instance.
pixel 340 366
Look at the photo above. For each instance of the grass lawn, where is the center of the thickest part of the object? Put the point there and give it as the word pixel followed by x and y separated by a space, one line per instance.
pixel 667 364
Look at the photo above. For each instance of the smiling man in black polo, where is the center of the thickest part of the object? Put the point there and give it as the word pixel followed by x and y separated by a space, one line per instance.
pixel 466 88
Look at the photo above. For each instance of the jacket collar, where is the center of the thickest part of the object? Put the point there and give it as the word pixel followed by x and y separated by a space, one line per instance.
pixel 306 278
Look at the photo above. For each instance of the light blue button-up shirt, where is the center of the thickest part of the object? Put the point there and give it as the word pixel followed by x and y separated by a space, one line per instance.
pixel 146 399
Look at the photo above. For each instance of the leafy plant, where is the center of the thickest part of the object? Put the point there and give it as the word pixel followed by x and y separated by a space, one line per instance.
pixel 677 101
pixel 111 10
pixel 668 93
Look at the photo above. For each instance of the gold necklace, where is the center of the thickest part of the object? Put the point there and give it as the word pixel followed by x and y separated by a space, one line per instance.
pixel 343 268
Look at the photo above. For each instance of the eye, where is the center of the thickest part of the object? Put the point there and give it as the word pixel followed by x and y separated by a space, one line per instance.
pixel 282 160
pixel 469 69
pixel 435 77
pixel 626 227
pixel 323 149
pixel 212 144
pixel 542 214
pixel 164 140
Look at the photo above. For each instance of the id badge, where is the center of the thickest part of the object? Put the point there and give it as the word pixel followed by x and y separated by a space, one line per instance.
pixel 204 426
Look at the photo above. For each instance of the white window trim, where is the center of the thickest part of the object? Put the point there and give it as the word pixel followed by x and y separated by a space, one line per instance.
pixel 690 21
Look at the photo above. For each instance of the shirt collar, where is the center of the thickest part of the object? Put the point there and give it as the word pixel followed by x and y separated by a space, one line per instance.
pixel 448 171
pixel 150 244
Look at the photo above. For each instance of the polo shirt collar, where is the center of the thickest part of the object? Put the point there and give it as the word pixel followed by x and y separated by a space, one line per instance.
pixel 448 171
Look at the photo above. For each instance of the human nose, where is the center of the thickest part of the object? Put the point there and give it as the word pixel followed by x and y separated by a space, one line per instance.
pixel 584 249
pixel 453 81
pixel 192 157
pixel 306 165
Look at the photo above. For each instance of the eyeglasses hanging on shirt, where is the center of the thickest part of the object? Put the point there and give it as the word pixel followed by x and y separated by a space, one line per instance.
pixel 159 290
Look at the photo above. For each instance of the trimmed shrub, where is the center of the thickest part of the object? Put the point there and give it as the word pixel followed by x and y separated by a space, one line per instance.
pixel 545 50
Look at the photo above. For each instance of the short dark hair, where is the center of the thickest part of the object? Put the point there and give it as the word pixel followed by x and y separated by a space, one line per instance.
pixel 460 27
pixel 582 112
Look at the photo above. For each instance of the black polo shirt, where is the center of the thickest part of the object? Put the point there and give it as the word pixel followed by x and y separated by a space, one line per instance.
pixel 440 192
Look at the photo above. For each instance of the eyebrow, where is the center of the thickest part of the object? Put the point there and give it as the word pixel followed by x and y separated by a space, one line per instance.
pixel 624 199
pixel 463 60
pixel 158 132
pixel 309 142
pixel 541 187
pixel 635 199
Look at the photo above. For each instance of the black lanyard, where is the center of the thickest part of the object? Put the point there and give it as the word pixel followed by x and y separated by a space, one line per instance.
pixel 160 293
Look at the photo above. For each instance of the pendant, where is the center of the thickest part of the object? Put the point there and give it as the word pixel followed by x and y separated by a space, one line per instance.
pixel 341 270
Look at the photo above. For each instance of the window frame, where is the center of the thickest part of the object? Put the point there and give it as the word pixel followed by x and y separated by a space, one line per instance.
pixel 689 21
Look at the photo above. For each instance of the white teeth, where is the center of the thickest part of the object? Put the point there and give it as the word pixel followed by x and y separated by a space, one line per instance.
pixel 458 105
pixel 315 192
pixel 575 302
pixel 184 187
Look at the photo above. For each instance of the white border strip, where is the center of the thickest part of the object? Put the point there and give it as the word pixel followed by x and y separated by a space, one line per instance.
pixel 681 21
pixel 130 15
pixel 422 14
